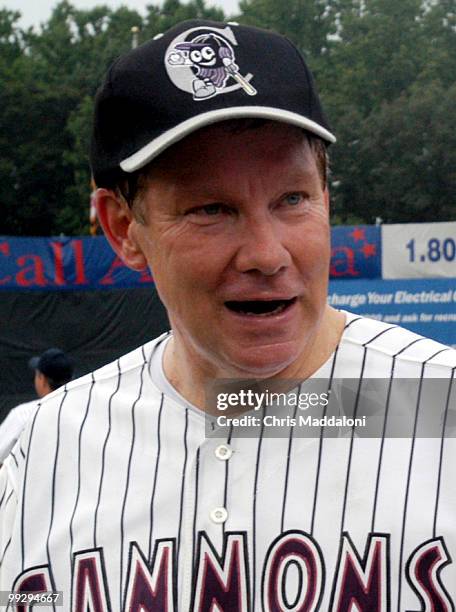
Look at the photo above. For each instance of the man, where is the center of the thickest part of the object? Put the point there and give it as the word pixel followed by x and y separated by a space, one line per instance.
pixel 209 156
pixel 52 370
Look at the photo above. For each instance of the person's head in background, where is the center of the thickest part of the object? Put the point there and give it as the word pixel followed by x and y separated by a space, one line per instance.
pixel 52 370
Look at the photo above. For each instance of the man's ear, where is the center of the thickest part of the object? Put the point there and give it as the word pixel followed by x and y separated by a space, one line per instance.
pixel 326 198
pixel 116 219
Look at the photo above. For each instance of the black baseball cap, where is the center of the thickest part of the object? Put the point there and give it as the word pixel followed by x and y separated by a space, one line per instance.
pixel 196 74
pixel 54 364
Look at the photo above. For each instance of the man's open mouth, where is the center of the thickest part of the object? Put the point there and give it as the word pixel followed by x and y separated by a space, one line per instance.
pixel 260 308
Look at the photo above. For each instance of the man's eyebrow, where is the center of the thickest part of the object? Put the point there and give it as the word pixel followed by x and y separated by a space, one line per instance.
pixel 301 173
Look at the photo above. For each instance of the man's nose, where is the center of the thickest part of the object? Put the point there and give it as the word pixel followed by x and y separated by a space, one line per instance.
pixel 262 248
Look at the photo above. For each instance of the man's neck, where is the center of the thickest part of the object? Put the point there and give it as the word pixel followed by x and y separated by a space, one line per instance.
pixel 191 375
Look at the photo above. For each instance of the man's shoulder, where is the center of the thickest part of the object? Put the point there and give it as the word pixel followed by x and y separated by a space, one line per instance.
pixel 123 374
pixel 17 417
pixel 90 405
pixel 24 410
pixel 13 425
pixel 396 342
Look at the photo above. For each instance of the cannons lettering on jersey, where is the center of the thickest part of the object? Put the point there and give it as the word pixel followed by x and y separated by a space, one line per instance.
pixel 221 580
pixel 89 583
pixel 34 580
pixel 423 574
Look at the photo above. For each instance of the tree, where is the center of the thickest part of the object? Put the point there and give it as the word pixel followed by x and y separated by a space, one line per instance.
pixel 380 50
pixel 308 23
pixel 386 80
pixel 403 161
pixel 173 11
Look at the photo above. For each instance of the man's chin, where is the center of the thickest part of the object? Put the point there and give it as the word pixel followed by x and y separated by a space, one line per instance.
pixel 263 361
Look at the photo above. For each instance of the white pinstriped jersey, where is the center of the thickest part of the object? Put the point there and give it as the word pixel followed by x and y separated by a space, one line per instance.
pixel 12 426
pixel 115 496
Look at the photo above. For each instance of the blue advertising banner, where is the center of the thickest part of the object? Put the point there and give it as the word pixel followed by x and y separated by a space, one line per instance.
pixel 425 306
pixel 64 263
pixel 356 251
pixel 89 262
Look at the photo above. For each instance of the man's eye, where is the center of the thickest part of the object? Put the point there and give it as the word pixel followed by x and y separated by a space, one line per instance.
pixel 293 199
pixel 209 210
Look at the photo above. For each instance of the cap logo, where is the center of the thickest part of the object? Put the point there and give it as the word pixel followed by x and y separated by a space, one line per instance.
pixel 202 62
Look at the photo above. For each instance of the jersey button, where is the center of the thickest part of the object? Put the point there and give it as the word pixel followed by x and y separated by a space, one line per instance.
pixel 223 452
pixel 219 515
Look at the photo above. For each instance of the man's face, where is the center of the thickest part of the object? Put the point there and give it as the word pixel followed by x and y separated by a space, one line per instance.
pixel 41 384
pixel 236 234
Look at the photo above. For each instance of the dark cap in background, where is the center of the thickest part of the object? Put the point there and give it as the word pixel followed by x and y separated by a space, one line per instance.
pixel 54 364
pixel 195 74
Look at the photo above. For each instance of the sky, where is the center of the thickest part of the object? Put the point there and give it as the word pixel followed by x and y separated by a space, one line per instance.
pixel 35 12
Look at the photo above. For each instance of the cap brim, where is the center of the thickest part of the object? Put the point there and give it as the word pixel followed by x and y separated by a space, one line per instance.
pixel 33 363
pixel 161 143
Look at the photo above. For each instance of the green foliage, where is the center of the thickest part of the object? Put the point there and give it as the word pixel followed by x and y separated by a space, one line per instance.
pixel 403 160
pixel 308 23
pixel 386 70
pixel 10 37
pixel 172 12
pixel 390 93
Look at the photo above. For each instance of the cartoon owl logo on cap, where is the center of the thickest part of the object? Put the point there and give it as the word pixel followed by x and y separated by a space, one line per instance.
pixel 211 60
